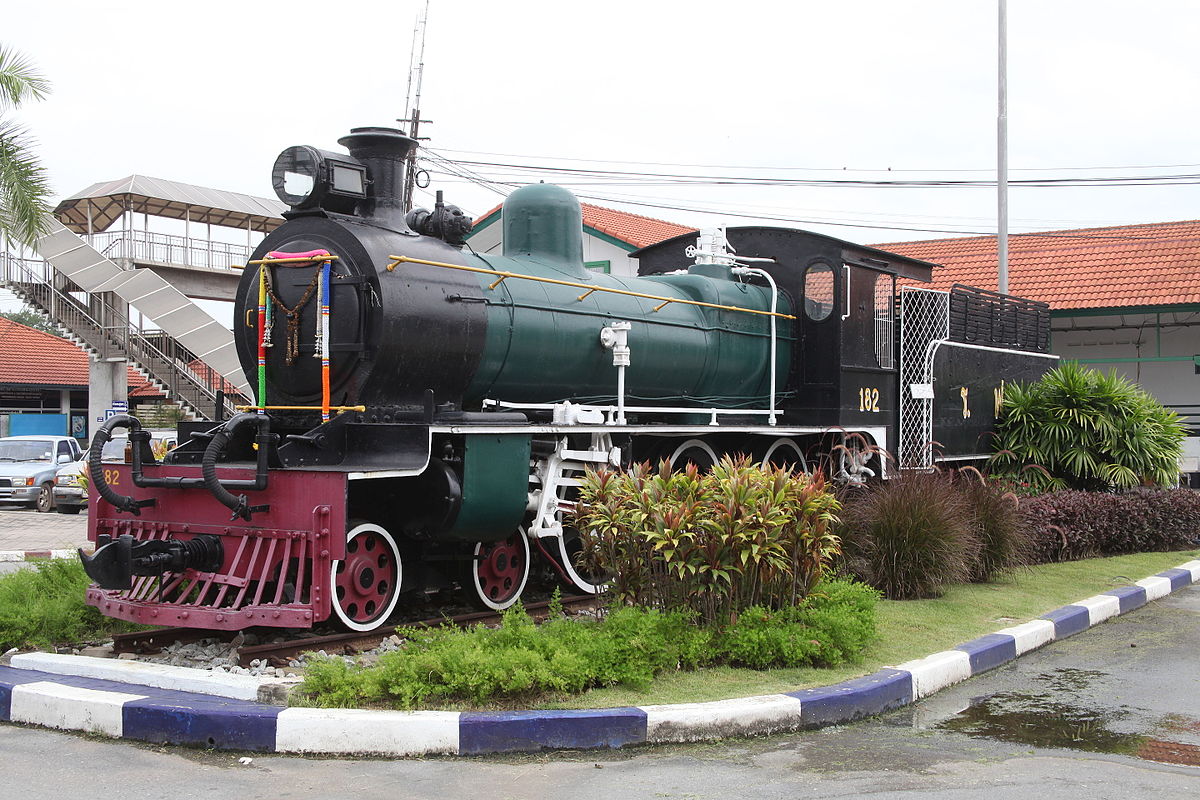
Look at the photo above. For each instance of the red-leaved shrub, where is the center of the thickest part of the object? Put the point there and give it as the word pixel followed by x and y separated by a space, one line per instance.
pixel 1070 525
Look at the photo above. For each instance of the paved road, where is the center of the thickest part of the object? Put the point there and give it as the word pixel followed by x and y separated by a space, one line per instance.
pixel 1083 718
pixel 25 529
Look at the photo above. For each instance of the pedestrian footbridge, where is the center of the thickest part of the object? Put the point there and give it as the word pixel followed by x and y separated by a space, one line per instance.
pixel 123 291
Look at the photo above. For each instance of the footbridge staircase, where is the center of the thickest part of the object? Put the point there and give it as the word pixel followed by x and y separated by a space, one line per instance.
pixel 101 328
pixel 91 281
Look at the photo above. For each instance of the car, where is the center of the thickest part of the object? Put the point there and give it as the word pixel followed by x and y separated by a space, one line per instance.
pixel 70 482
pixel 28 465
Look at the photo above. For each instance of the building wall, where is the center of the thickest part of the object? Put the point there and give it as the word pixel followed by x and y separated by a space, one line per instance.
pixel 1155 350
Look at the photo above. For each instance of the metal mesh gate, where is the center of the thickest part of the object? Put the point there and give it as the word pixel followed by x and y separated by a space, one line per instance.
pixel 925 320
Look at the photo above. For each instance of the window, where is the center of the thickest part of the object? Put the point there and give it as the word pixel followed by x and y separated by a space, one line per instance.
pixel 818 291
pixel 885 315
pixel 64 449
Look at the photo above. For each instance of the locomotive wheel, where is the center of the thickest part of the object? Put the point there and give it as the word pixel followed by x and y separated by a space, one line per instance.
pixel 785 453
pixel 498 572
pixel 366 583
pixel 569 546
pixel 694 451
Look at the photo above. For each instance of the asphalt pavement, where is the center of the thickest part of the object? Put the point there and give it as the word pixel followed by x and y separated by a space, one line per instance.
pixel 23 529
pixel 1113 712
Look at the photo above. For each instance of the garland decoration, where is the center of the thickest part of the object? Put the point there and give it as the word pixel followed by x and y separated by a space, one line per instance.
pixel 262 334
pixel 293 314
pixel 323 338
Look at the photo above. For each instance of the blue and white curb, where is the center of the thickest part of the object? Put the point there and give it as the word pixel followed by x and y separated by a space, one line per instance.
pixel 31 693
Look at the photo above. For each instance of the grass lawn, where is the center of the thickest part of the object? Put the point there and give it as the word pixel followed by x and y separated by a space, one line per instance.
pixel 909 629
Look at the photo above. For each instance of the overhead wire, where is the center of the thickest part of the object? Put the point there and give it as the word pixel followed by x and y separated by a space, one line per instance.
pixel 464 171
pixel 820 169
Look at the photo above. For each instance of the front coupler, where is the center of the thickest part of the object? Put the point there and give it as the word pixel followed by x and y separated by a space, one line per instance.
pixel 115 562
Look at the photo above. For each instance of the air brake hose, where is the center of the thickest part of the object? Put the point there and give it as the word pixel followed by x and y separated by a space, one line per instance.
pixel 208 466
pixel 96 471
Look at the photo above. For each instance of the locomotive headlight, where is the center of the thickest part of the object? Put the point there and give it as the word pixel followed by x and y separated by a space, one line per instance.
pixel 305 177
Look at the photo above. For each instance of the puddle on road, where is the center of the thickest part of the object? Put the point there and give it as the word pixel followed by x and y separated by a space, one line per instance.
pixel 1039 721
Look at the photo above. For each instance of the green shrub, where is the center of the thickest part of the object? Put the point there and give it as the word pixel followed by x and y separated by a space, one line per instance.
pixel 910 537
pixel 44 606
pixel 520 661
pixel 516 660
pixel 717 543
pixel 831 628
pixel 1087 430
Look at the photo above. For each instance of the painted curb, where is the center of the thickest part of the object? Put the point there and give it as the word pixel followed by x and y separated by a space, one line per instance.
pixel 159 676
pixel 167 715
pixel 28 555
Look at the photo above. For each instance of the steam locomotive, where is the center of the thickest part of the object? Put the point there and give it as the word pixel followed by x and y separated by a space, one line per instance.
pixel 423 413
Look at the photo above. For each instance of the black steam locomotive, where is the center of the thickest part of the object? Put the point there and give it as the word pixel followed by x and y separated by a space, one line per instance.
pixel 423 413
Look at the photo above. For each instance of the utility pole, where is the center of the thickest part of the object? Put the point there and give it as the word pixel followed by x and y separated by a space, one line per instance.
pixel 1002 156
pixel 412 103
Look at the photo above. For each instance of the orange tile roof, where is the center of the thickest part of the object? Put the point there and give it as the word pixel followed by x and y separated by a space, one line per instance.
pixel 1130 265
pixel 633 229
pixel 32 357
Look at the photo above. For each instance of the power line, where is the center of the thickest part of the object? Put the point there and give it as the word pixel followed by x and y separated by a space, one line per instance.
pixel 824 169
pixel 459 170
pixel 617 177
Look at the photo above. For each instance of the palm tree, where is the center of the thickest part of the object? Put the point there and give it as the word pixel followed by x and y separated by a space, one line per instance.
pixel 23 183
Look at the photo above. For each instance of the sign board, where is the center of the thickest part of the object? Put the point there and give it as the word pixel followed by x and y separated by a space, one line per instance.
pixel 121 406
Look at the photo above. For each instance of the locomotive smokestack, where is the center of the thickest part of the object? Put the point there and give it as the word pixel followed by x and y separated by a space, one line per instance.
pixel 383 151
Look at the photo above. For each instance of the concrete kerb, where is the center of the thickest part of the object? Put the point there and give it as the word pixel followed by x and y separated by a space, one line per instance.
pixel 175 705
pixel 31 555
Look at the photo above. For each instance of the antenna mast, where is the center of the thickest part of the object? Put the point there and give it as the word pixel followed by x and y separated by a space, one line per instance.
pixel 412 101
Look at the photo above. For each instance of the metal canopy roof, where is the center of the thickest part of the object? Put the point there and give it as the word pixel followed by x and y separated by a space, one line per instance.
pixel 162 198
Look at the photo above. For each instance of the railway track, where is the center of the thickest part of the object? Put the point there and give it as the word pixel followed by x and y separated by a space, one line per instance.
pixel 279 653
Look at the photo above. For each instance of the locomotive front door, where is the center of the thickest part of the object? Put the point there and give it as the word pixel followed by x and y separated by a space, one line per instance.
pixel 868 352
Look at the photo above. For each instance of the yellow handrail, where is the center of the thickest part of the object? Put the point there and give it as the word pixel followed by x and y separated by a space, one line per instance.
pixel 304 260
pixel 502 275
pixel 338 409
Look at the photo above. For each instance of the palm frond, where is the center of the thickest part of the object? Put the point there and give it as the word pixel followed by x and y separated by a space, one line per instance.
pixel 24 186
pixel 19 81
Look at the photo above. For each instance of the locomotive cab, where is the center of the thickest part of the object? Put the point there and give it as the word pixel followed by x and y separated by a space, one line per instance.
pixel 843 371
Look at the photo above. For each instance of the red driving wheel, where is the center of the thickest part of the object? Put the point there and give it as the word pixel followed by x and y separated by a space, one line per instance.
pixel 366 583
pixel 499 571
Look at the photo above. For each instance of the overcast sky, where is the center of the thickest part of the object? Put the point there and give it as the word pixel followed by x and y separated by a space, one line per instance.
pixel 209 94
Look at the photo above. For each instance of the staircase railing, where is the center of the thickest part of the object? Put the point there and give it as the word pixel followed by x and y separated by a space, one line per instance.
pixel 106 329
pixel 163 248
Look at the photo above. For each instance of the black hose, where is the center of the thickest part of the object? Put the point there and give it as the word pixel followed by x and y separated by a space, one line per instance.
pixel 96 471
pixel 208 466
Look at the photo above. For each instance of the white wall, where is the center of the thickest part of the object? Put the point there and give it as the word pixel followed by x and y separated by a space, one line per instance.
pixel 1138 336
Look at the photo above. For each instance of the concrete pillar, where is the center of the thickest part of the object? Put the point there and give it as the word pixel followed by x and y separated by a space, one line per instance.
pixel 64 402
pixel 107 381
